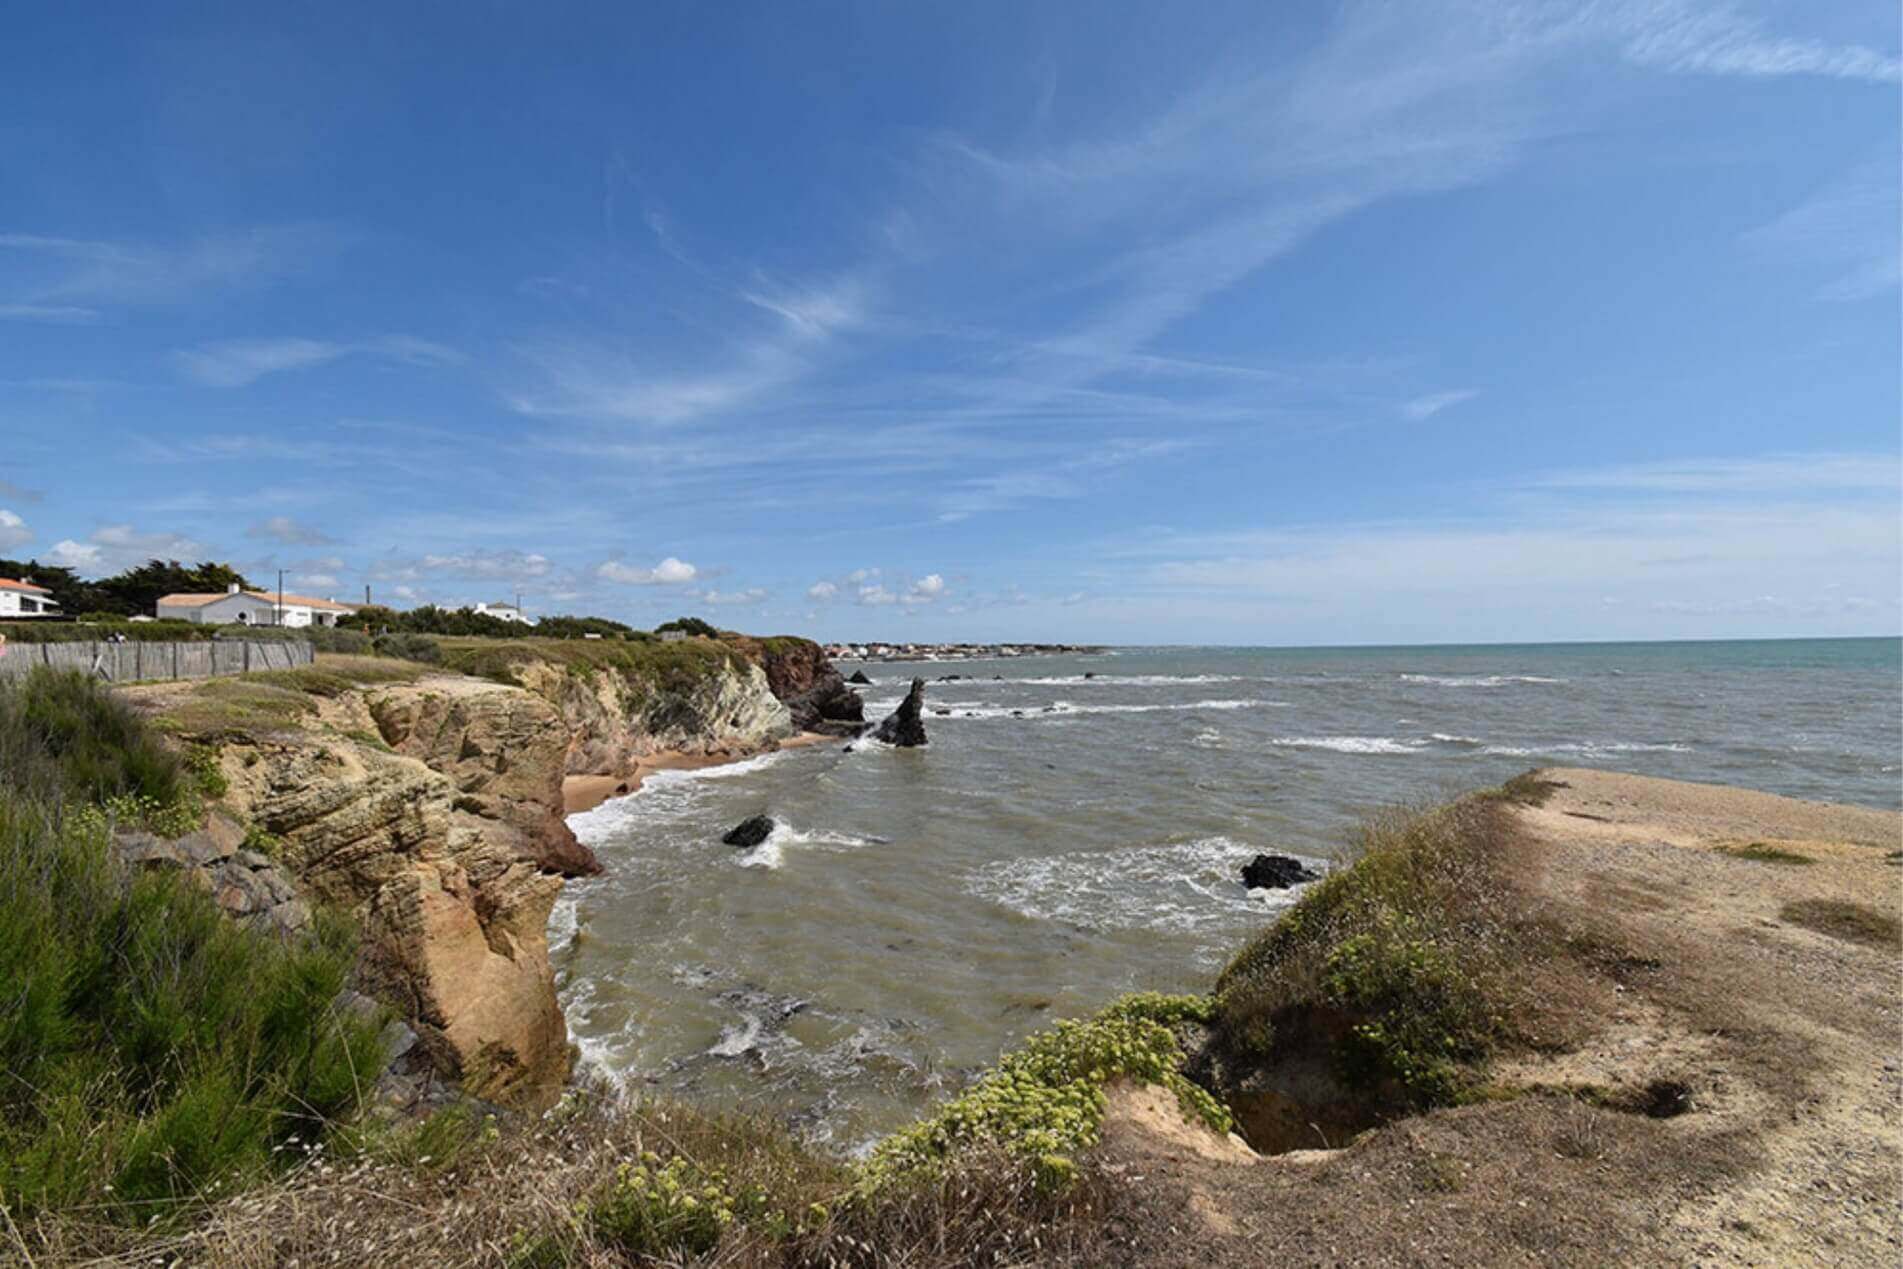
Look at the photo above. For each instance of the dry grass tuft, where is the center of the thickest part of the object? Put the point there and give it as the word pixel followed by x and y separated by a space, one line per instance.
pixel 553 1194
pixel 1841 919
pixel 1765 853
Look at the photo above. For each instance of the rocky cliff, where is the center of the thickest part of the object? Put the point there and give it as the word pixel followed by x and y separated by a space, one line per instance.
pixel 429 806
pixel 799 674
pixel 621 703
pixel 429 811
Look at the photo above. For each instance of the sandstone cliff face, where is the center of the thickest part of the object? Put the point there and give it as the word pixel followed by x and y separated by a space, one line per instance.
pixel 450 855
pixel 613 721
pixel 799 674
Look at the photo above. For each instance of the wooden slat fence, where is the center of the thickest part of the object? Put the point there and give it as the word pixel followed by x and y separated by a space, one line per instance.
pixel 133 662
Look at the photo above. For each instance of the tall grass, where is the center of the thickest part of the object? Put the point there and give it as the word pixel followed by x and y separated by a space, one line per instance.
pixel 151 1052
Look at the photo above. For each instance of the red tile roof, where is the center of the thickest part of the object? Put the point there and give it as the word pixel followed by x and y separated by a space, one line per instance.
pixel 7 583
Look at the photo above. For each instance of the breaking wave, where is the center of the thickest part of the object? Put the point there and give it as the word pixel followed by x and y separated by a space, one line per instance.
pixel 1186 888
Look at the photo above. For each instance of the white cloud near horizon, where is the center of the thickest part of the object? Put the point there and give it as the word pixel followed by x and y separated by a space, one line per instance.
pixel 1579 551
pixel 115 547
pixel 13 530
pixel 669 572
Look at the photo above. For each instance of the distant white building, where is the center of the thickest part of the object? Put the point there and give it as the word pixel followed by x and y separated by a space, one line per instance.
pixel 24 599
pixel 502 611
pixel 252 608
pixel 673 636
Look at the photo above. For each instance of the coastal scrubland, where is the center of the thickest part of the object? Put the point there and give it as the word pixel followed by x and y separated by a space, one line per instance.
pixel 1575 1019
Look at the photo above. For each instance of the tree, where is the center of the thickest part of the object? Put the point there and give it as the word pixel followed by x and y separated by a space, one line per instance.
pixel 69 591
pixel 137 590
pixel 689 625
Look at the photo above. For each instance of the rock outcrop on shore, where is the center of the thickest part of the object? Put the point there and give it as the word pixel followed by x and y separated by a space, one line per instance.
pixel 905 726
pixel 613 719
pixel 800 676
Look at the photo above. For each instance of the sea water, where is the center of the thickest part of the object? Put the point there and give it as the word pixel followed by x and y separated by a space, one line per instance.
pixel 1076 830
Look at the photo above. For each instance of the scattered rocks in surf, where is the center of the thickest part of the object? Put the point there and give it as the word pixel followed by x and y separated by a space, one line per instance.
pixel 750 832
pixel 1276 872
pixel 905 727
pixel 859 679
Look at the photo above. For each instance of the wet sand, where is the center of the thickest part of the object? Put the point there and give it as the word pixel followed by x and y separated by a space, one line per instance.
pixel 586 792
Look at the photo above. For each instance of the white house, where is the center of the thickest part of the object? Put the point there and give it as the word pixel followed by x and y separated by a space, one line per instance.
pixel 503 611
pixel 252 608
pixel 24 599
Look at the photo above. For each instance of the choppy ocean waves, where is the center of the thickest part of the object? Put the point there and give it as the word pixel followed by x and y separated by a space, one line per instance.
pixel 1395 746
pixel 1477 680
pixel 1186 888
pixel 1062 709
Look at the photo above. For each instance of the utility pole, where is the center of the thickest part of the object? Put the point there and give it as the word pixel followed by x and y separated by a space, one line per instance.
pixel 280 612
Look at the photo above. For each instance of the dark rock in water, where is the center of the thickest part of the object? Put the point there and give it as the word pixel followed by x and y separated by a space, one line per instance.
pixel 904 727
pixel 942 712
pixel 950 678
pixel 1090 674
pixel 750 833
pixel 1276 872
pixel 829 707
pixel 859 679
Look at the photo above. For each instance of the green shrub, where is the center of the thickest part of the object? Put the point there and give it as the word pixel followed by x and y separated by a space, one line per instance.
pixel 333 639
pixel 62 734
pixel 1406 958
pixel 410 647
pixel 1044 1103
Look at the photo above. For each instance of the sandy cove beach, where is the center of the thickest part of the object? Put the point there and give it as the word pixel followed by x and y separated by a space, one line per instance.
pixel 586 792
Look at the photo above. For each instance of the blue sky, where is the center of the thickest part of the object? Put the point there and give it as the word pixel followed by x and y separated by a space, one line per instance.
pixel 1305 323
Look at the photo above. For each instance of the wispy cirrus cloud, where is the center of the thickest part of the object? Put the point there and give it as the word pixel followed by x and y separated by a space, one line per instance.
pixel 289 531
pixel 589 377
pixel 1426 407
pixel 52 277
pixel 1846 231
pixel 236 363
pixel 50 314
pixel 1721 41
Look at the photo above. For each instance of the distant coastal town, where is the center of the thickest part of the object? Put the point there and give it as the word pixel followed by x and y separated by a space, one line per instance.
pixel 954 651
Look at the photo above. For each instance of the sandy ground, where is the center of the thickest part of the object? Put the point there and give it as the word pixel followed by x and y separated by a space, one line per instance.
pixel 586 792
pixel 1787 1039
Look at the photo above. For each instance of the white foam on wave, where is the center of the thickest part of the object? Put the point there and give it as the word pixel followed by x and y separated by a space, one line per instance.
pixel 1185 888
pixel 661 791
pixel 1352 744
pixel 771 853
pixel 1590 748
pixel 564 922
pixel 1445 739
pixel 1131 680
pixel 1070 709
pixel 1476 680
